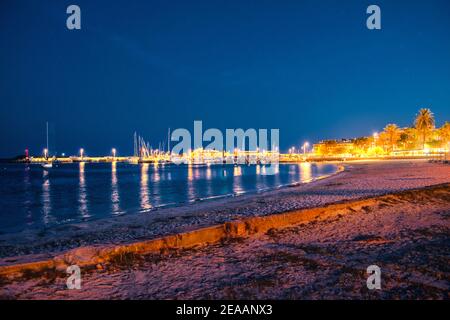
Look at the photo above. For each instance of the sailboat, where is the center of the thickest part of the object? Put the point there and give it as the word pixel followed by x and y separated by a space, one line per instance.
pixel 49 164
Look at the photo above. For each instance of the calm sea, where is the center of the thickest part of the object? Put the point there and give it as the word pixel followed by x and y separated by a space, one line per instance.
pixel 31 197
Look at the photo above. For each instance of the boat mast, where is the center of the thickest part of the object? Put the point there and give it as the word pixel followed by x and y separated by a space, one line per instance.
pixel 168 141
pixel 47 137
pixel 135 151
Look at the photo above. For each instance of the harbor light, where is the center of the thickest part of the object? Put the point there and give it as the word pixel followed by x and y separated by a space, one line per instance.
pixel 113 151
pixel 305 145
pixel 46 153
pixel 81 152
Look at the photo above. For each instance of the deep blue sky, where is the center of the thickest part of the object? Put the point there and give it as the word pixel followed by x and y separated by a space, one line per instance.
pixel 310 68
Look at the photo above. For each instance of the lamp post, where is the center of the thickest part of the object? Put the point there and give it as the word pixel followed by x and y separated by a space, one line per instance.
pixel 375 138
pixel 305 145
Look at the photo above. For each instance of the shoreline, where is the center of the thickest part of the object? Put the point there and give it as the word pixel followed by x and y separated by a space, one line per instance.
pixel 390 230
pixel 132 228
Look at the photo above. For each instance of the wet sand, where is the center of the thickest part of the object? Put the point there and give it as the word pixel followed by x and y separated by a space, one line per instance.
pixel 407 237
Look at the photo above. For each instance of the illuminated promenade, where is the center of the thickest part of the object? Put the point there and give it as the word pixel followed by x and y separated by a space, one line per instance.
pixel 244 157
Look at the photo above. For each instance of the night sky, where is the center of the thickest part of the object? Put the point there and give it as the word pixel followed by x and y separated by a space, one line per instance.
pixel 310 68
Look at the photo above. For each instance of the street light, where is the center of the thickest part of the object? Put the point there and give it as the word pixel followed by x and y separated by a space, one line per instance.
pixel 81 153
pixel 305 145
pixel 375 138
pixel 113 151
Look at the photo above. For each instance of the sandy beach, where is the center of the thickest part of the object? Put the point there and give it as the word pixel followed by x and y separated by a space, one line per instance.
pixel 407 235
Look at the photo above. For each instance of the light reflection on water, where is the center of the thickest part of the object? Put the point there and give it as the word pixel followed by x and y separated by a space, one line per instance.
pixel 46 199
pixel 237 181
pixel 82 193
pixel 306 171
pixel 27 194
pixel 72 192
pixel 115 197
pixel 144 195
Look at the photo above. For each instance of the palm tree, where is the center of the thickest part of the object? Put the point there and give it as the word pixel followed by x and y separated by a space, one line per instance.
pixel 444 133
pixel 392 133
pixel 424 124
pixel 408 138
